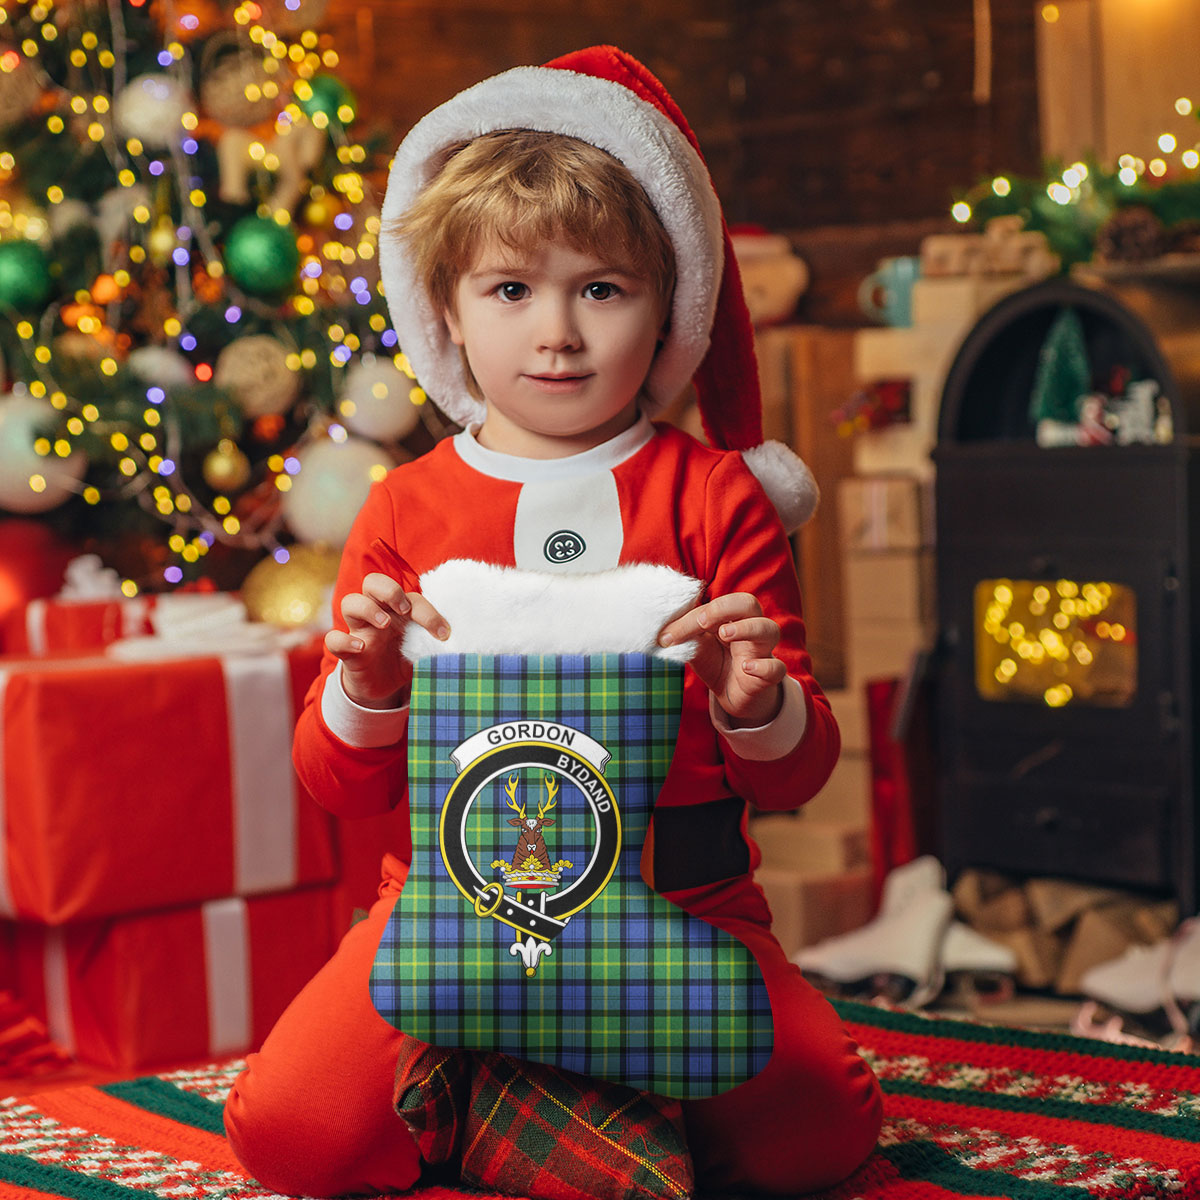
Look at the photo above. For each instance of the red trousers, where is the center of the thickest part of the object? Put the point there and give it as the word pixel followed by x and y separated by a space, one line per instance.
pixel 312 1112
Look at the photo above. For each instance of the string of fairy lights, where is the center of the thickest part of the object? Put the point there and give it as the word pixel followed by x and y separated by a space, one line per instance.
pixel 1045 637
pixel 295 279
pixel 1071 186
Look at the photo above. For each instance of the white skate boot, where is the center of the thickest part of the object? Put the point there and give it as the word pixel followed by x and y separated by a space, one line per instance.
pixel 1155 987
pixel 980 967
pixel 898 953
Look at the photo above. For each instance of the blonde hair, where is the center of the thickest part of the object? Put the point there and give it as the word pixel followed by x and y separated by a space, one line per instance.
pixel 521 188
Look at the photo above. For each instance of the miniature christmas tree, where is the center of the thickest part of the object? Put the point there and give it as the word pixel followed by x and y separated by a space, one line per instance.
pixel 1063 375
pixel 193 340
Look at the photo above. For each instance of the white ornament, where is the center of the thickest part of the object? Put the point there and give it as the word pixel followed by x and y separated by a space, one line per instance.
pixel 20 90
pixel 151 108
pixel 228 84
pixel 162 366
pixel 66 215
pixel 29 482
pixel 330 488
pixel 114 219
pixel 375 400
pixel 255 370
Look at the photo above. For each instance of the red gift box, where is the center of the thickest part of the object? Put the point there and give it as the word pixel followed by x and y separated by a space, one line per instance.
pixel 132 786
pixel 174 987
pixel 52 625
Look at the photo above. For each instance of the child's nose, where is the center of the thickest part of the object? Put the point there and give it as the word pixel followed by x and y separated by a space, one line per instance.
pixel 558 329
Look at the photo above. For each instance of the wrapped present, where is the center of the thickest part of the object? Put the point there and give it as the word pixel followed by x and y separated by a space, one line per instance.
pixel 884 512
pixel 177 986
pixel 51 624
pixel 130 786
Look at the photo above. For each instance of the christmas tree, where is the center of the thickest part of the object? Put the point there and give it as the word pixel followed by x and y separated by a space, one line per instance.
pixel 196 357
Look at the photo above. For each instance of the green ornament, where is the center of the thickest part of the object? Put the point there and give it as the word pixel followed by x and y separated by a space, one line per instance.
pixel 24 275
pixel 262 256
pixel 328 95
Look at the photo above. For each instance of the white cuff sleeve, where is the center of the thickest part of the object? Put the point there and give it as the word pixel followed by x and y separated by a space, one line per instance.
pixel 765 743
pixel 356 725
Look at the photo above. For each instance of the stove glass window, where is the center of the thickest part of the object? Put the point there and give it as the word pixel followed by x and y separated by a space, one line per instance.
pixel 1057 642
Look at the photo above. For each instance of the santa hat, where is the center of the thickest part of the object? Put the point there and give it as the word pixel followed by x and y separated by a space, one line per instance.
pixel 607 98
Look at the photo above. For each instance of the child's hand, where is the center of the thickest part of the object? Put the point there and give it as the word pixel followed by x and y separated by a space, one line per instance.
pixel 734 655
pixel 374 673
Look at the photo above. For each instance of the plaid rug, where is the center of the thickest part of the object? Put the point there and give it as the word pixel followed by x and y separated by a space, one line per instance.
pixel 971 1111
pixel 605 978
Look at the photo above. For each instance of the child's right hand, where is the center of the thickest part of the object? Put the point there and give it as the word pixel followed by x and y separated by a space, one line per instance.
pixel 374 672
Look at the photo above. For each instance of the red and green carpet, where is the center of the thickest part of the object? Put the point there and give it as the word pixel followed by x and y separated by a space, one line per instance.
pixel 972 1110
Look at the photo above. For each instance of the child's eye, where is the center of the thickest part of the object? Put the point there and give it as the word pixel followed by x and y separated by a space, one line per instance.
pixel 512 291
pixel 601 291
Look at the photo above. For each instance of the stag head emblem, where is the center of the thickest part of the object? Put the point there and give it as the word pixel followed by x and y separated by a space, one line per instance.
pixel 530 842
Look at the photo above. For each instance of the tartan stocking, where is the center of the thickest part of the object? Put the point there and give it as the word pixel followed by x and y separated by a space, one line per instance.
pixel 537 936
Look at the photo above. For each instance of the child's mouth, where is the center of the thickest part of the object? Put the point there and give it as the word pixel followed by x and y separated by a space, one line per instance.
pixel 558 383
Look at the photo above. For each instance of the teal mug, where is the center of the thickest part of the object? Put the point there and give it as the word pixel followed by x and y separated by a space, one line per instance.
pixel 886 294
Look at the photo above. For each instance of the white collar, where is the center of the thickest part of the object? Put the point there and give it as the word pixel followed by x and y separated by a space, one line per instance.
pixel 514 469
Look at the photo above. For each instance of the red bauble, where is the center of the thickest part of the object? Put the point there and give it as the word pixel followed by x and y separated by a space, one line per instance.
pixel 32 560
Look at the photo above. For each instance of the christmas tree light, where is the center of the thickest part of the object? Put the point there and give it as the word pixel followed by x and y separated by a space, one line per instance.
pixel 189 295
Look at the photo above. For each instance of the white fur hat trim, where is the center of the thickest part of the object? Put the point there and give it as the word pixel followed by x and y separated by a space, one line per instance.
pixel 786 479
pixel 604 114
pixel 505 610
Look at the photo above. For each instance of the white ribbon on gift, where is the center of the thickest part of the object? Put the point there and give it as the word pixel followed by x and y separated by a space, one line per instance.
pixel 227 975
pixel 131 614
pixel 226 972
pixel 56 980
pixel 258 695
pixel 6 899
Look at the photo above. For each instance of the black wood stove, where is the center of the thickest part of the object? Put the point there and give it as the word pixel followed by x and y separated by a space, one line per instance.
pixel 1068 656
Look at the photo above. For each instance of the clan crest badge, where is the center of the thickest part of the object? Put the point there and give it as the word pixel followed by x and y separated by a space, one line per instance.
pixel 531 890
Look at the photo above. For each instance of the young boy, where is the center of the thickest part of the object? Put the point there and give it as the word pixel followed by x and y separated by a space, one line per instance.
pixel 557 266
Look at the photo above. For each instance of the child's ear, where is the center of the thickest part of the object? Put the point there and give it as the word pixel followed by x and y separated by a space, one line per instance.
pixel 452 327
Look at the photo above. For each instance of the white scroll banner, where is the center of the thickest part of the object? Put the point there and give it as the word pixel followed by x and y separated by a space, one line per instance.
pixel 227 975
pixel 540 732
pixel 258 696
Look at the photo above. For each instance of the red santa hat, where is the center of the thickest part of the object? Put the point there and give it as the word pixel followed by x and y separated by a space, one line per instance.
pixel 607 98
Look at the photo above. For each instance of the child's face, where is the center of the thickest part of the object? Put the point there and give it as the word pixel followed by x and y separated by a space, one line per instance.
pixel 559 342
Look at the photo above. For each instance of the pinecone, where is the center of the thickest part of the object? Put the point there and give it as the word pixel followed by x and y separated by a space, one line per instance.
pixel 1184 238
pixel 1132 234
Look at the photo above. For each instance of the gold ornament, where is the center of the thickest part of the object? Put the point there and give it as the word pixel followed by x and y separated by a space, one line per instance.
pixel 162 242
pixel 226 468
pixel 236 87
pixel 295 593
pixel 255 370
pixel 318 213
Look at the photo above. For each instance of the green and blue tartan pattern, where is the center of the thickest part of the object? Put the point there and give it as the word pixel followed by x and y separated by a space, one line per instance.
pixel 635 991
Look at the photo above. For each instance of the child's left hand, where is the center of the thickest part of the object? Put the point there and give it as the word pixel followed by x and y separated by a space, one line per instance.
pixel 734 655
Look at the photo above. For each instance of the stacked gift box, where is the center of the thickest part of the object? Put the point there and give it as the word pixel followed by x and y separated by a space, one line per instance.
pixel 166 882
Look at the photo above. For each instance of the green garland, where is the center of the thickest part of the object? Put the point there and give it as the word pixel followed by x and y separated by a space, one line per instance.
pixel 1071 228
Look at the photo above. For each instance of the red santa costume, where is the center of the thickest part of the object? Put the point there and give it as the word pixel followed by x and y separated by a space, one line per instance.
pixel 641 521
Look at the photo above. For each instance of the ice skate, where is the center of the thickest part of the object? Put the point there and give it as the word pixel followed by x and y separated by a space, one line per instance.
pixel 978 965
pixel 1154 989
pixel 898 953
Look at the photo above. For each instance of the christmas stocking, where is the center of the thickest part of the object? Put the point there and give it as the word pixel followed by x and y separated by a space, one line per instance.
pixel 525 925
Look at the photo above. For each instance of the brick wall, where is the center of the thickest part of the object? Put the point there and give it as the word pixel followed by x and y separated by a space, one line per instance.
pixel 810 114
